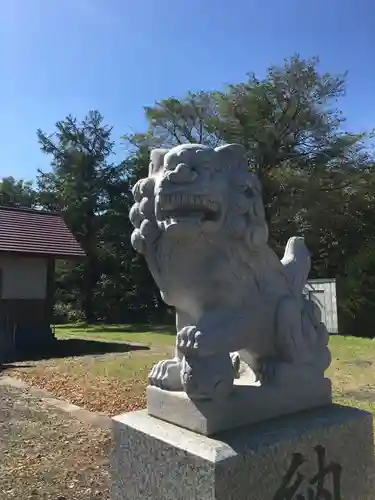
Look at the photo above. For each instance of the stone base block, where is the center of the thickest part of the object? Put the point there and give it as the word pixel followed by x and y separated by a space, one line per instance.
pixel 246 405
pixel 323 453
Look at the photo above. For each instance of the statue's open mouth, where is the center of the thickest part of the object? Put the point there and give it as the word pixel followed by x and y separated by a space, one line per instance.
pixel 183 207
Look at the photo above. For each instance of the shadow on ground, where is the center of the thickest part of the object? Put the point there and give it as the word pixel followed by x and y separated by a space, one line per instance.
pixel 5 366
pixel 68 348
pixel 133 328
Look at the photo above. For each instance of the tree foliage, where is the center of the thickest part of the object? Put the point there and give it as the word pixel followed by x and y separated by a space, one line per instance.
pixel 318 181
pixel 83 185
pixel 292 129
pixel 357 295
pixel 17 193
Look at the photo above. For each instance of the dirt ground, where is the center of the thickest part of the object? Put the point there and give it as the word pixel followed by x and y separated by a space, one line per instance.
pixel 46 454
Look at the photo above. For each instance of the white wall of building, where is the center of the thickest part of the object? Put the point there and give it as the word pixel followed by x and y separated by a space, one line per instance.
pixel 23 277
pixel 323 292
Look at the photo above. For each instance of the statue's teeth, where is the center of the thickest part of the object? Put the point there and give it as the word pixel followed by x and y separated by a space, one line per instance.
pixel 175 201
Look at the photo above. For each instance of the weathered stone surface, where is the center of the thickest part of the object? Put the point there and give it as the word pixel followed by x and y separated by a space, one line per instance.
pixel 200 223
pixel 245 406
pixel 155 460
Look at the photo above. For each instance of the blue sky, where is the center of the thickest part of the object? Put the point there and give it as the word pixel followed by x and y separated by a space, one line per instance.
pixel 69 56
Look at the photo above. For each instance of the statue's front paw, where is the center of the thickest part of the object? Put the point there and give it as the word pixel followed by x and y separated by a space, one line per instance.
pixel 190 340
pixel 209 377
pixel 166 375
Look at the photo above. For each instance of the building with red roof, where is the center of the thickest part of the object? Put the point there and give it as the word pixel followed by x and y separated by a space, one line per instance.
pixel 30 243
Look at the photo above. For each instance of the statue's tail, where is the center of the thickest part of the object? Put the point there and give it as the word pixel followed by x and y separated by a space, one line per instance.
pixel 297 264
pixel 312 346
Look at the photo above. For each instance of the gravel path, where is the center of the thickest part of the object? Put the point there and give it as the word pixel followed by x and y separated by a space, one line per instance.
pixel 46 454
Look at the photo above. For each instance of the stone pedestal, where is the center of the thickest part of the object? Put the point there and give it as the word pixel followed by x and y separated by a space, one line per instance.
pixel 246 405
pixel 323 453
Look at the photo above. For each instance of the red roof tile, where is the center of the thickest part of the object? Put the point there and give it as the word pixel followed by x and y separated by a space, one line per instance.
pixel 36 232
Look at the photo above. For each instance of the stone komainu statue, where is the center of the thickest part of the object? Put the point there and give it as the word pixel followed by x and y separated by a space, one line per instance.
pixel 199 222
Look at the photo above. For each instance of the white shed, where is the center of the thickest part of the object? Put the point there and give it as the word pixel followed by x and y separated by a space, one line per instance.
pixel 323 292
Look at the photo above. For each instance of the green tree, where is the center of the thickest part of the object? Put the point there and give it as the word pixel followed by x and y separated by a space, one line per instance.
pixel 80 185
pixel 17 193
pixel 357 294
pixel 192 119
pixel 139 298
pixel 292 129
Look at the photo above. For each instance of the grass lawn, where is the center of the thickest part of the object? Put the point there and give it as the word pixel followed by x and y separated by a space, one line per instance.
pixel 352 371
pixel 112 378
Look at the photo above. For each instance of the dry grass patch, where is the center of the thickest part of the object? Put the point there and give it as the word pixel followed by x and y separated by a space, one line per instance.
pixel 111 383
pixel 46 455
